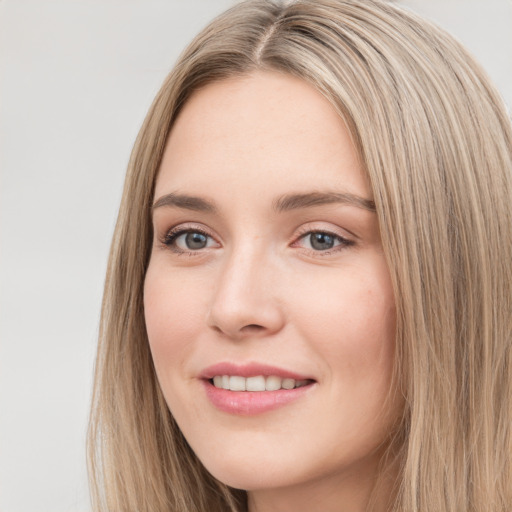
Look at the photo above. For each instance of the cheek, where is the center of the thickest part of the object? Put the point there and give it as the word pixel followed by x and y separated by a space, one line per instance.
pixel 173 315
pixel 352 329
pixel 352 324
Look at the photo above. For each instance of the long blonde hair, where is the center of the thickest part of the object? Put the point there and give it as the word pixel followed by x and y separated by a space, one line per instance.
pixel 436 143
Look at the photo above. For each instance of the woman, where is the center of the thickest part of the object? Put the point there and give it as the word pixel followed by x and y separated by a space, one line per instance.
pixel 308 301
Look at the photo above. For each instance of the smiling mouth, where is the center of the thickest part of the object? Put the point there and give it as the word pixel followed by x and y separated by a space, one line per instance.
pixel 257 383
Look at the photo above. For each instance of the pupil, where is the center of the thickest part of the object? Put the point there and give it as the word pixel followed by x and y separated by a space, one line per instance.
pixel 322 241
pixel 195 240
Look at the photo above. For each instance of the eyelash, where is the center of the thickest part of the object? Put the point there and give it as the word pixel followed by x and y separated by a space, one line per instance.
pixel 171 236
pixel 343 242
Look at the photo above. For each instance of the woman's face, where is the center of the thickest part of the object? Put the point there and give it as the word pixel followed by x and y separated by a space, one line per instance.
pixel 267 273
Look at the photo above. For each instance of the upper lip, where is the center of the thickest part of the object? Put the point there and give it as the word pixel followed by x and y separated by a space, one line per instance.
pixel 250 370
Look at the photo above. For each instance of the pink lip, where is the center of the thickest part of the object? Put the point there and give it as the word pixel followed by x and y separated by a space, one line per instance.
pixel 250 403
pixel 249 370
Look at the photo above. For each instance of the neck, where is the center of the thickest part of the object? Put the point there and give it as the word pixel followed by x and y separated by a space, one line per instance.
pixel 352 491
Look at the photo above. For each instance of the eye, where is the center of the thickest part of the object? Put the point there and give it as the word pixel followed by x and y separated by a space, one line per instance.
pixel 321 241
pixel 188 240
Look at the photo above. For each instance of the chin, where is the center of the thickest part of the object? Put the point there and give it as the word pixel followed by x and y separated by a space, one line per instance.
pixel 247 480
pixel 244 480
pixel 250 474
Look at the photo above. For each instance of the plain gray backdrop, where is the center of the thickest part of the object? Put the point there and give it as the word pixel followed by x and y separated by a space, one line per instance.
pixel 76 79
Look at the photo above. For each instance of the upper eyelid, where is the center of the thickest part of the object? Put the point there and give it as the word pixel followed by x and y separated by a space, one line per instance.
pixel 169 239
pixel 163 235
pixel 345 241
pixel 187 227
pixel 324 231
pixel 300 232
pixel 307 228
pixel 178 231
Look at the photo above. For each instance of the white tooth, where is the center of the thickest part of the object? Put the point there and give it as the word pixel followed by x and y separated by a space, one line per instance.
pixel 300 383
pixel 217 381
pixel 255 383
pixel 288 383
pixel 225 382
pixel 236 383
pixel 272 383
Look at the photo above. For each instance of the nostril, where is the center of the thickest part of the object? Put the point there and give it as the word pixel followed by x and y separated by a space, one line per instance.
pixel 252 328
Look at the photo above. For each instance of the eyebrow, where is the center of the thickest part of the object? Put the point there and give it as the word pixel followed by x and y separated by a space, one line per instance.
pixel 283 203
pixel 295 201
pixel 186 202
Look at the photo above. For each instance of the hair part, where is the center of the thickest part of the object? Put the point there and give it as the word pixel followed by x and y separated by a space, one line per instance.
pixel 436 143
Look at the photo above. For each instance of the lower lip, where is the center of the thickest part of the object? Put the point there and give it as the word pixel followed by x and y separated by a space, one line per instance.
pixel 250 403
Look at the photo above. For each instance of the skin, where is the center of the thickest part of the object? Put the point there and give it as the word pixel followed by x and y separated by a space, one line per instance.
pixel 259 291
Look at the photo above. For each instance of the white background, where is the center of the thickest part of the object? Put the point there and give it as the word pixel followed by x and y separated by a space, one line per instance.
pixel 76 79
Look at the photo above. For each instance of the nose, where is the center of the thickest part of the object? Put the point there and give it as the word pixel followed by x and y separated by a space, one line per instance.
pixel 244 303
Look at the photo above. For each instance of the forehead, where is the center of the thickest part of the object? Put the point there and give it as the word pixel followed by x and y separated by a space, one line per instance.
pixel 263 130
